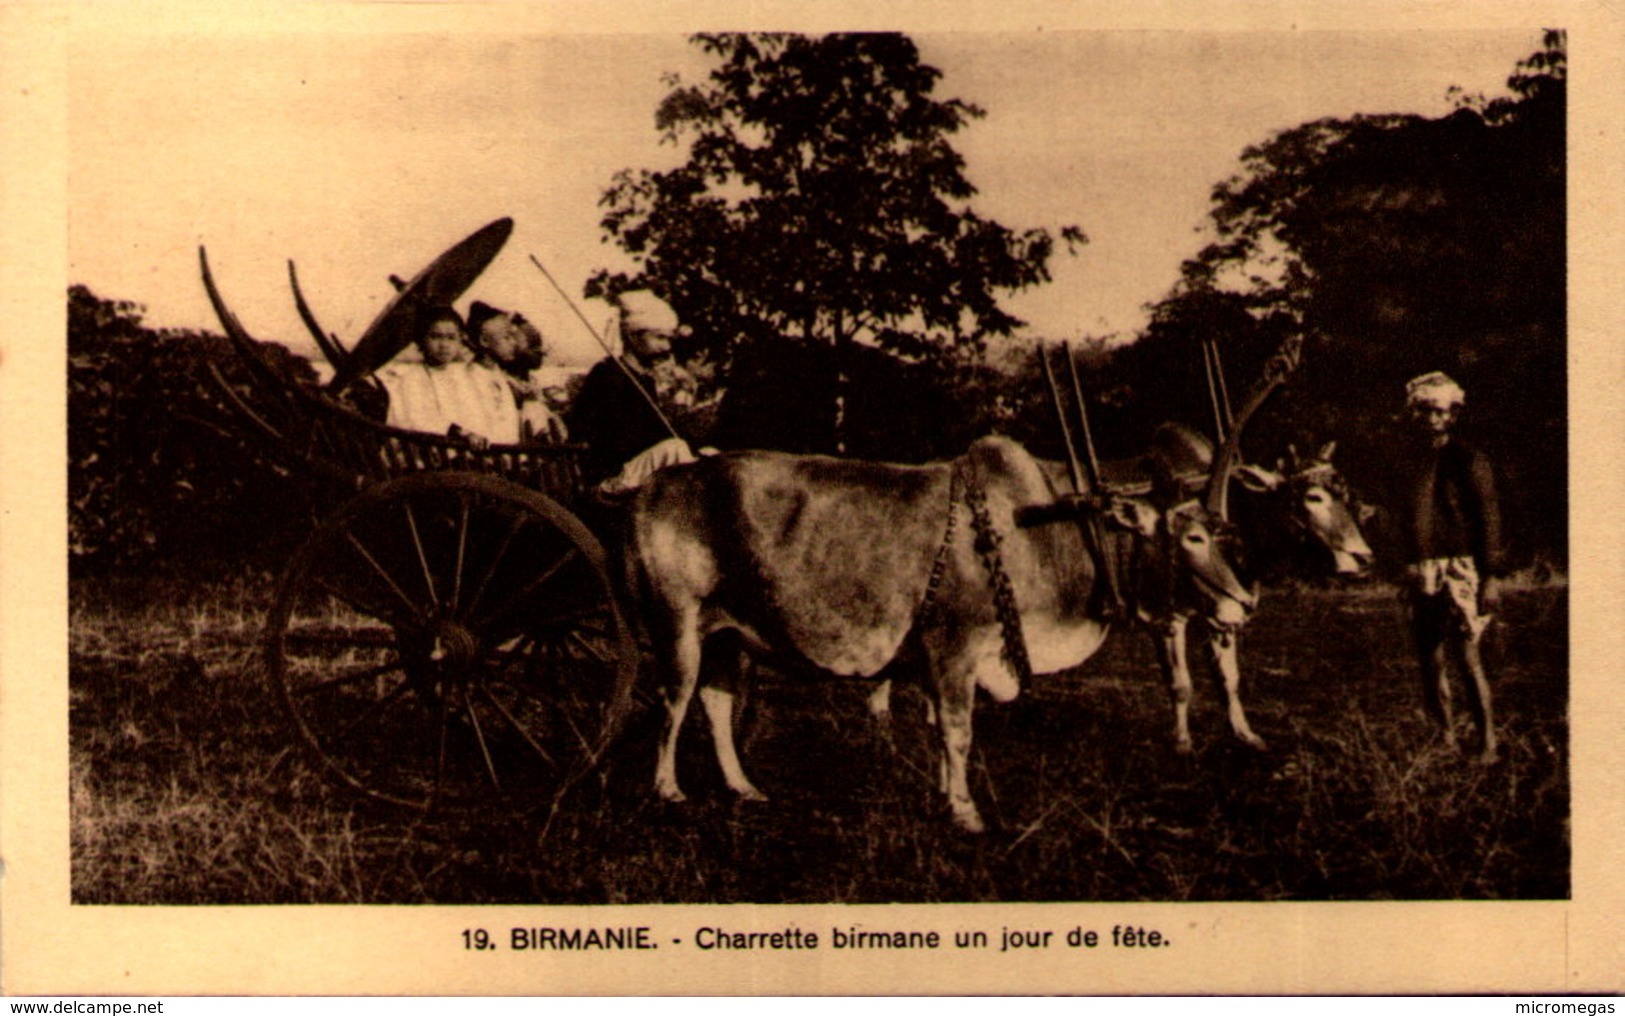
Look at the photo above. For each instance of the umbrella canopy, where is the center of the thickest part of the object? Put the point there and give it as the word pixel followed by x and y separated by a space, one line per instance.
pixel 446 279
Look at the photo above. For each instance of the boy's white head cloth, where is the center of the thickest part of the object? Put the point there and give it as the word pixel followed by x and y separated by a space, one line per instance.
pixel 1434 389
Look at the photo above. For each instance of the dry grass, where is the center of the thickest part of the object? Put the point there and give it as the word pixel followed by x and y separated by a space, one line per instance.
pixel 188 788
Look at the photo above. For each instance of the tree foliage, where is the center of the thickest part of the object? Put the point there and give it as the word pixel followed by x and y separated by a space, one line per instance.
pixel 1396 244
pixel 821 201
pixel 153 477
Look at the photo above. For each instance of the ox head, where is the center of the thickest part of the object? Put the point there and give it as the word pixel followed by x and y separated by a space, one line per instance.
pixel 1197 558
pixel 1319 507
pixel 1206 553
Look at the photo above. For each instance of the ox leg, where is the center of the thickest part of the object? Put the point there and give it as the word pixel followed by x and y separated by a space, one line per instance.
pixel 723 690
pixel 684 648
pixel 1176 671
pixel 879 703
pixel 719 709
pixel 955 696
pixel 908 661
pixel 942 756
pixel 1223 646
pixel 1471 659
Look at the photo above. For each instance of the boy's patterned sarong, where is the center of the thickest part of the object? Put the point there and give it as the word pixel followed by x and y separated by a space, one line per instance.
pixel 1451 584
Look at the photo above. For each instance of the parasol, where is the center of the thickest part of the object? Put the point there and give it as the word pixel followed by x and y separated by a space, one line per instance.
pixel 446 278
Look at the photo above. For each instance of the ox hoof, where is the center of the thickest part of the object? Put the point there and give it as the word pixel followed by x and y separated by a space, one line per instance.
pixel 1182 747
pixel 749 794
pixel 670 794
pixel 1254 742
pixel 967 818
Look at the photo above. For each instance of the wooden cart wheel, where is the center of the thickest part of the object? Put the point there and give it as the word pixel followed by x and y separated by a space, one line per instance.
pixel 450 637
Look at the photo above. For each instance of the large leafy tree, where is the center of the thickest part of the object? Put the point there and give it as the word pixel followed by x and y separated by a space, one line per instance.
pixel 1395 244
pixel 821 203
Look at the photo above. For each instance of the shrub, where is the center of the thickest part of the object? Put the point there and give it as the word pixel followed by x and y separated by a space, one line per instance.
pixel 156 474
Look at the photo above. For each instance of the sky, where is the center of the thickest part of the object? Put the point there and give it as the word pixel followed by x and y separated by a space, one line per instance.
pixel 364 155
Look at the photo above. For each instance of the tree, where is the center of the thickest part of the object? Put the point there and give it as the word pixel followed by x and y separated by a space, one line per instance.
pixel 821 202
pixel 1398 244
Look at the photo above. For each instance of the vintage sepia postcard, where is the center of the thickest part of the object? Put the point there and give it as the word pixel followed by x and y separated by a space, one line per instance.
pixel 539 499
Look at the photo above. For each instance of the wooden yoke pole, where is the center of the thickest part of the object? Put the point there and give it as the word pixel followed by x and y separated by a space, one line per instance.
pixel 1224 389
pixel 1219 415
pixel 329 344
pixel 1072 467
pixel 1092 461
pixel 1111 604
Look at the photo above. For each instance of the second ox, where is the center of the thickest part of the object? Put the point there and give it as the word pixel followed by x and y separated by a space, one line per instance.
pixel 1300 516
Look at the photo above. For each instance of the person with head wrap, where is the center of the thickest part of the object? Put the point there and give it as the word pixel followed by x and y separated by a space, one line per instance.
pixel 502 344
pixel 443 392
pixel 627 440
pixel 1454 551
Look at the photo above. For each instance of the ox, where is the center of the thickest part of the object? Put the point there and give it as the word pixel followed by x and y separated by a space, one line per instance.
pixel 1306 500
pixel 842 563
pixel 1304 505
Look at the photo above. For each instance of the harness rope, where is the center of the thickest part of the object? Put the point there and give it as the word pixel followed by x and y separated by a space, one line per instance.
pixel 928 605
pixel 1004 594
pixel 962 484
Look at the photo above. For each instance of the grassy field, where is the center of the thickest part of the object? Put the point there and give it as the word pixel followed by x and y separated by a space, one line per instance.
pixel 187 786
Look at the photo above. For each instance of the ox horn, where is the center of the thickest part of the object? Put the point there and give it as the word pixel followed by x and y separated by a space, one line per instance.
pixel 1276 371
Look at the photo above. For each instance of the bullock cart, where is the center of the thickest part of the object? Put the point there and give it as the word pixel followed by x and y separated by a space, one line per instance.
pixel 449 632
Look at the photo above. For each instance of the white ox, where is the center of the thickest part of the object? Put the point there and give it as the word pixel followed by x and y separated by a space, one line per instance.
pixel 830 561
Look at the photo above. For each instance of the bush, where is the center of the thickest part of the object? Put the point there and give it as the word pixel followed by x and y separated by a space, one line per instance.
pixel 156 475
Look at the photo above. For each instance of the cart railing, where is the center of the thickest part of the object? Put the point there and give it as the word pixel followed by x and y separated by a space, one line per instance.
pixel 311 432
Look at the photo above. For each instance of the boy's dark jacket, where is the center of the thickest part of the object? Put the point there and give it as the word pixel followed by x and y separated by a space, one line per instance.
pixel 1454 511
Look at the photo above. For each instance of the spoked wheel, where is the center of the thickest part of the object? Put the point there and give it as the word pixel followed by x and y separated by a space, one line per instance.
pixel 451 637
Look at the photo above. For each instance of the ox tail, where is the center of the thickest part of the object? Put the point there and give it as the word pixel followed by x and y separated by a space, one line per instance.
pixel 631 579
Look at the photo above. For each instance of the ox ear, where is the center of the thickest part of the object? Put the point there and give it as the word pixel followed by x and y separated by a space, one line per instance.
pixel 1364 512
pixel 1258 479
pixel 1134 515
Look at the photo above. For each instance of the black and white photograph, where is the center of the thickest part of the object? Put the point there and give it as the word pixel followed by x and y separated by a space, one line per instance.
pixel 530 487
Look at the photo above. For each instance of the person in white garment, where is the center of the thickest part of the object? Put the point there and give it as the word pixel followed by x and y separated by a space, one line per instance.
pixel 444 392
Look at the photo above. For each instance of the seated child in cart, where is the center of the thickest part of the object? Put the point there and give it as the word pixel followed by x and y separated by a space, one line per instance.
pixel 446 393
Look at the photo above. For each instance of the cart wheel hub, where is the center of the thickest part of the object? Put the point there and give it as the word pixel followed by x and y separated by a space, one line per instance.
pixel 454 645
